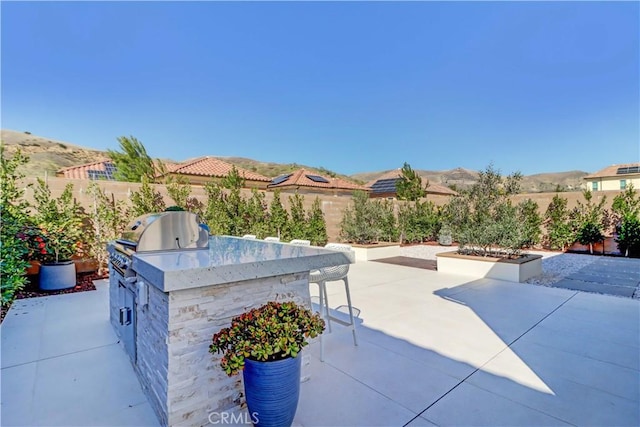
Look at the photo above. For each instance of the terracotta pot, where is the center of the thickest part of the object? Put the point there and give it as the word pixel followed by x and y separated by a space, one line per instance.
pixel 86 265
pixel 34 268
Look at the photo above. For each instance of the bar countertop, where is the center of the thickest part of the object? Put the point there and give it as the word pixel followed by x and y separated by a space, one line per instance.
pixel 232 259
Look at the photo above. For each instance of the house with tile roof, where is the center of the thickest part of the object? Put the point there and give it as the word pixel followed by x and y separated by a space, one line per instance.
pixel 102 169
pixel 614 177
pixel 385 186
pixel 197 171
pixel 303 181
pixel 203 170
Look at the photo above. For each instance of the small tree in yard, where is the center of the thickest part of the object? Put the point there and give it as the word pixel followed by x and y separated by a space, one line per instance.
pixel 418 221
pixel 214 212
pixel 108 220
pixel 296 228
pixel 485 221
pixel 256 214
pixel 316 226
pixel 146 199
pixel 409 186
pixel 278 216
pixel 528 211
pixel 626 208
pixel 559 233
pixel 590 219
pixel 361 221
pixel 133 162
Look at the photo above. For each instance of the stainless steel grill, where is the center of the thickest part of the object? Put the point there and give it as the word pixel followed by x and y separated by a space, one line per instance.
pixel 165 231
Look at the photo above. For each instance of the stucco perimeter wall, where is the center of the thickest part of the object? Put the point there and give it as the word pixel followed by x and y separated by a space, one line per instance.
pixel 332 205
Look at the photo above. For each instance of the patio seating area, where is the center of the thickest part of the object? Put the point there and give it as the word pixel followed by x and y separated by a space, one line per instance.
pixel 433 349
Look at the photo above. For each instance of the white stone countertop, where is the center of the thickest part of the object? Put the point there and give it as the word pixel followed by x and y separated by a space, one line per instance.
pixel 232 259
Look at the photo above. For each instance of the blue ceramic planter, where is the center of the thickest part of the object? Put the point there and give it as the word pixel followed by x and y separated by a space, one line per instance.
pixel 54 277
pixel 272 390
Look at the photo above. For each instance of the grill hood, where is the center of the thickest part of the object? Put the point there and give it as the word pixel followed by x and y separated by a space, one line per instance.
pixel 173 230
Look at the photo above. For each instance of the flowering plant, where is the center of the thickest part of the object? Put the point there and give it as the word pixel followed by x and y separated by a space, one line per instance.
pixel 34 241
pixel 60 223
pixel 274 331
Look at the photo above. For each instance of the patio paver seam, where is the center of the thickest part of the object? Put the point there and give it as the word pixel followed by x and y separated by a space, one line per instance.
pixel 59 355
pixel 492 358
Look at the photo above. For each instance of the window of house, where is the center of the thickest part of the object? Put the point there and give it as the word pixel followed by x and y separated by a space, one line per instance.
pixel 594 186
pixel 623 184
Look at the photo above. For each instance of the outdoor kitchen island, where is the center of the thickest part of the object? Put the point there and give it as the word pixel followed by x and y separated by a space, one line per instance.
pixel 180 298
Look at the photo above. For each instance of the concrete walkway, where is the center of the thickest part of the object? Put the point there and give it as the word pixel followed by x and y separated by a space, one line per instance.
pixel 606 275
pixel 434 349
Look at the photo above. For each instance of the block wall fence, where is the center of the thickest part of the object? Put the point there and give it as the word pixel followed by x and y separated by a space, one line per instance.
pixel 332 206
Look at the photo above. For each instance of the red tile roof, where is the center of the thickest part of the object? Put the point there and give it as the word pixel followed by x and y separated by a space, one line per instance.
pixel 82 171
pixel 610 171
pixel 211 166
pixel 300 178
pixel 433 187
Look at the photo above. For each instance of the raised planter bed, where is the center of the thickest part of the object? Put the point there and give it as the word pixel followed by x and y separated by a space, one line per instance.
pixel 376 251
pixel 512 270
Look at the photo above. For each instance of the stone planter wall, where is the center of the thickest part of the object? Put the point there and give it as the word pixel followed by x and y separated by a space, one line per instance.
pixel 512 270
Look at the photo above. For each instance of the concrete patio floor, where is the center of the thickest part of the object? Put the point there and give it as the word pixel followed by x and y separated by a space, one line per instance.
pixel 434 349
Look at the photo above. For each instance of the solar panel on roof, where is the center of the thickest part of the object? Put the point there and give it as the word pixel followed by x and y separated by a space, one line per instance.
pixel 317 178
pixel 280 179
pixel 384 186
pixel 627 170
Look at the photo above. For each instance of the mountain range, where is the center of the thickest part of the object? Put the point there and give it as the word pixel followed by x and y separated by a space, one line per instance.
pixel 50 155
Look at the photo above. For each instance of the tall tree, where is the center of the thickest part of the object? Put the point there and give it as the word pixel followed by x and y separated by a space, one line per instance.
pixel 133 162
pixel 409 186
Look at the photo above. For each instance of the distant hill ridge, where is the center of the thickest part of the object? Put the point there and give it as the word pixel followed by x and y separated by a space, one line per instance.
pixel 50 155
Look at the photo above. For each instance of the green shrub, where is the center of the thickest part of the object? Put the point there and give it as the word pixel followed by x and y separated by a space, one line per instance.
pixel 484 220
pixel 626 208
pixel 361 222
pixel 559 233
pixel 418 221
pixel 13 218
pixel 316 225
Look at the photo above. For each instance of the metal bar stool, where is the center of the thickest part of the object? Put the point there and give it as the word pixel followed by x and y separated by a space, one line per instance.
pixel 332 274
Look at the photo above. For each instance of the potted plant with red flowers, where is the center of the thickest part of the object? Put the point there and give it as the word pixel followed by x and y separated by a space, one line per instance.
pixel 265 343
pixel 60 224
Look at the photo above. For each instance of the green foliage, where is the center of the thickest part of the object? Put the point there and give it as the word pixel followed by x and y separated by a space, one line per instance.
pixel 409 186
pixel 179 190
pixel 531 221
pixel 233 180
pixel 108 220
pixel 133 162
pixel 628 236
pixel 387 221
pixel 316 227
pixel 626 207
pixel 278 217
pixel 367 221
pixel 589 220
pixel 146 200
pixel 297 227
pixel 484 220
pixel 274 331
pixel 61 223
pixel 418 222
pixel 256 215
pixel 13 217
pixel 215 212
pixel 559 233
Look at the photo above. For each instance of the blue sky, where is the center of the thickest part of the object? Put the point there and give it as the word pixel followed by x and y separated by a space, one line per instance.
pixel 349 86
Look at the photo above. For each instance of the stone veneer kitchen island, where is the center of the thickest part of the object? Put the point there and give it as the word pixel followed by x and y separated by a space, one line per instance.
pixel 184 297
